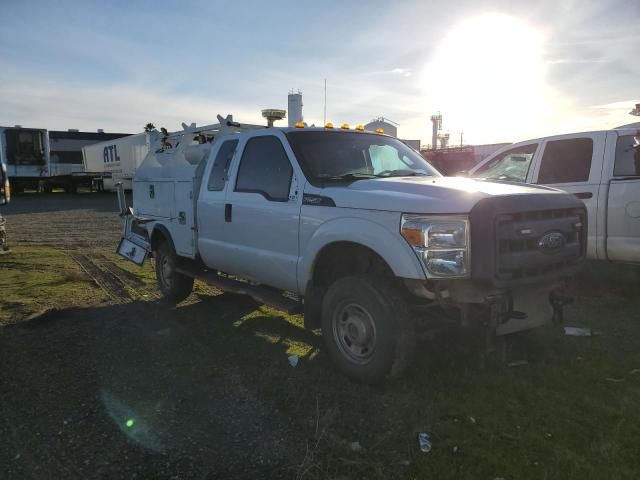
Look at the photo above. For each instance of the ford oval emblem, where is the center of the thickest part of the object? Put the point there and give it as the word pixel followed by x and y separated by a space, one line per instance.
pixel 551 243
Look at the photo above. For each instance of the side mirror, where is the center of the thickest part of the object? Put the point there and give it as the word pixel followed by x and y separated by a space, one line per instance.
pixel 5 189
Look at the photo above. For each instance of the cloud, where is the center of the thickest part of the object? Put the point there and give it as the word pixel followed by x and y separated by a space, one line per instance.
pixel 405 72
pixel 116 107
pixel 560 61
pixel 621 105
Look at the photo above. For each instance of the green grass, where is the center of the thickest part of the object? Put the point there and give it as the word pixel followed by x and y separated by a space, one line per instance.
pixel 36 278
pixel 573 412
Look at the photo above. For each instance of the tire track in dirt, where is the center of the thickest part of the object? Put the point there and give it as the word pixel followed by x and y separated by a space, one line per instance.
pixel 127 278
pixel 105 279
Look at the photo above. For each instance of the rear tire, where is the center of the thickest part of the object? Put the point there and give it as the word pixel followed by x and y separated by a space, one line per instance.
pixel 366 328
pixel 174 286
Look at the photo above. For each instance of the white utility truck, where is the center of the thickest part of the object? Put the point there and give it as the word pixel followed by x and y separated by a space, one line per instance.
pixel 356 230
pixel 602 168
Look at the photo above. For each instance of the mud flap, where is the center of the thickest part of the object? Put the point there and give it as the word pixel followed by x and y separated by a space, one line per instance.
pixel 132 246
pixel 132 251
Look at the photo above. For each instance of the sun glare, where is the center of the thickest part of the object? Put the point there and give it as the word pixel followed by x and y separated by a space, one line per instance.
pixel 487 77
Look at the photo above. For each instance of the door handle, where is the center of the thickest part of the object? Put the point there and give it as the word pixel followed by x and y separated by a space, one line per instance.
pixel 584 194
pixel 227 212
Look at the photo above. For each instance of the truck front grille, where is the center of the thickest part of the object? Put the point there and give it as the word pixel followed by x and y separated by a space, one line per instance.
pixel 539 242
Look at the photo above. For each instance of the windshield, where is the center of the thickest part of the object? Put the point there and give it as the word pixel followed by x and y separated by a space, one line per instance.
pixel 327 155
pixel 512 165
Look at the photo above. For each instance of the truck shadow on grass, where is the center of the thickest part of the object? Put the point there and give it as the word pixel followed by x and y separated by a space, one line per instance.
pixel 145 389
pixel 205 390
pixel 202 390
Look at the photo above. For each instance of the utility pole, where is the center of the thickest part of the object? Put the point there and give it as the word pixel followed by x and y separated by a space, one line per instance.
pixel 324 122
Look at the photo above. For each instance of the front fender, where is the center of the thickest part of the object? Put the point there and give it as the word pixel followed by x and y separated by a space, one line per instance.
pixel 393 249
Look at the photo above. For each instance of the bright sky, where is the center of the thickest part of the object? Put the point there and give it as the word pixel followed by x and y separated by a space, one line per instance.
pixel 499 71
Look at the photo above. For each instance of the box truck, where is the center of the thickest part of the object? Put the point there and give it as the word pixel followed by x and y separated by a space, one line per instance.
pixel 116 160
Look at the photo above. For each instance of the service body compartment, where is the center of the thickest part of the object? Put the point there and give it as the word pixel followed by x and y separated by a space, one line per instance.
pixel 183 231
pixel 154 198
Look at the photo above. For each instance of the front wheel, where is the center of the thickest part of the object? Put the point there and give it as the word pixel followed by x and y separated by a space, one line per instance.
pixel 366 328
pixel 173 285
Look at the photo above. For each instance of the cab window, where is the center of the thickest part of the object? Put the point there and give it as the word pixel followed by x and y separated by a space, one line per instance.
pixel 265 169
pixel 627 157
pixel 512 165
pixel 566 161
pixel 220 167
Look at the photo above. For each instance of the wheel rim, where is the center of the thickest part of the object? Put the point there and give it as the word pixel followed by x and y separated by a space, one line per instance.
pixel 354 332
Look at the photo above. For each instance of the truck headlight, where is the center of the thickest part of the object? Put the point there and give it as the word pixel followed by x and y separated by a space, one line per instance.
pixel 441 243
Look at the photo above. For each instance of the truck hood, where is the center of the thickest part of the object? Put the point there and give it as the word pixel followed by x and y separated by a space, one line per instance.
pixel 425 194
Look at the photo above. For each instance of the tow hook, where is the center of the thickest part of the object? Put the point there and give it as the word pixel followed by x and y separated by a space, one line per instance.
pixel 558 301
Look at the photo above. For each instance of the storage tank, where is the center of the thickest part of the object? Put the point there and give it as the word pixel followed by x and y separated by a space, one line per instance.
pixel 295 108
pixel 381 122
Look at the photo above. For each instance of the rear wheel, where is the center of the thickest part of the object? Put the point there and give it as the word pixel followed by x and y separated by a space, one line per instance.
pixel 366 328
pixel 173 285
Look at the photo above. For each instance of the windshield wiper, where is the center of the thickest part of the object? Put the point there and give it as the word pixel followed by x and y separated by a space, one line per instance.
pixel 349 177
pixel 503 178
pixel 402 173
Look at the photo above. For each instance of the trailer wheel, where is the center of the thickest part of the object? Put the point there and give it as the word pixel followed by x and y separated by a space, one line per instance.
pixel 174 286
pixel 366 328
pixel 44 187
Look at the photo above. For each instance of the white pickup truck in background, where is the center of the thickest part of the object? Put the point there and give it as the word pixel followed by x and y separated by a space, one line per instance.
pixel 356 230
pixel 602 168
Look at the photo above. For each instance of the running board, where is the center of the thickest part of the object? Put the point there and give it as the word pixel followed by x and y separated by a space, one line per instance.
pixel 266 295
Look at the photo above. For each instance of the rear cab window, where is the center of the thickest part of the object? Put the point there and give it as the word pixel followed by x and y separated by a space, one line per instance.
pixel 627 162
pixel 566 161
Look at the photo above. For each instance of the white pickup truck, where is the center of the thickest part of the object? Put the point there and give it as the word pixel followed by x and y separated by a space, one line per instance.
pixel 602 168
pixel 356 230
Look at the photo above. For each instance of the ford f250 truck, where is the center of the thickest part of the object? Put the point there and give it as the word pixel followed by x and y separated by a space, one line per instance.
pixel 601 168
pixel 356 230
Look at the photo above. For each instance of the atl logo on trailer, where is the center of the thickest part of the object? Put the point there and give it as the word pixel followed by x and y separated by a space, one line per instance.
pixel 110 154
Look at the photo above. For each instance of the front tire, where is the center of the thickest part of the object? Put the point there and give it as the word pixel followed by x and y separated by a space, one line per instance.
pixel 174 286
pixel 366 328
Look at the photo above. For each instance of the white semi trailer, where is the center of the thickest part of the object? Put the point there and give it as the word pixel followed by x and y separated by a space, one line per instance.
pixel 116 160
pixel 41 159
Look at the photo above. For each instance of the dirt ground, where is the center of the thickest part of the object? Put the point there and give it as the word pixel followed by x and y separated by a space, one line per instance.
pixel 114 383
pixel 59 220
